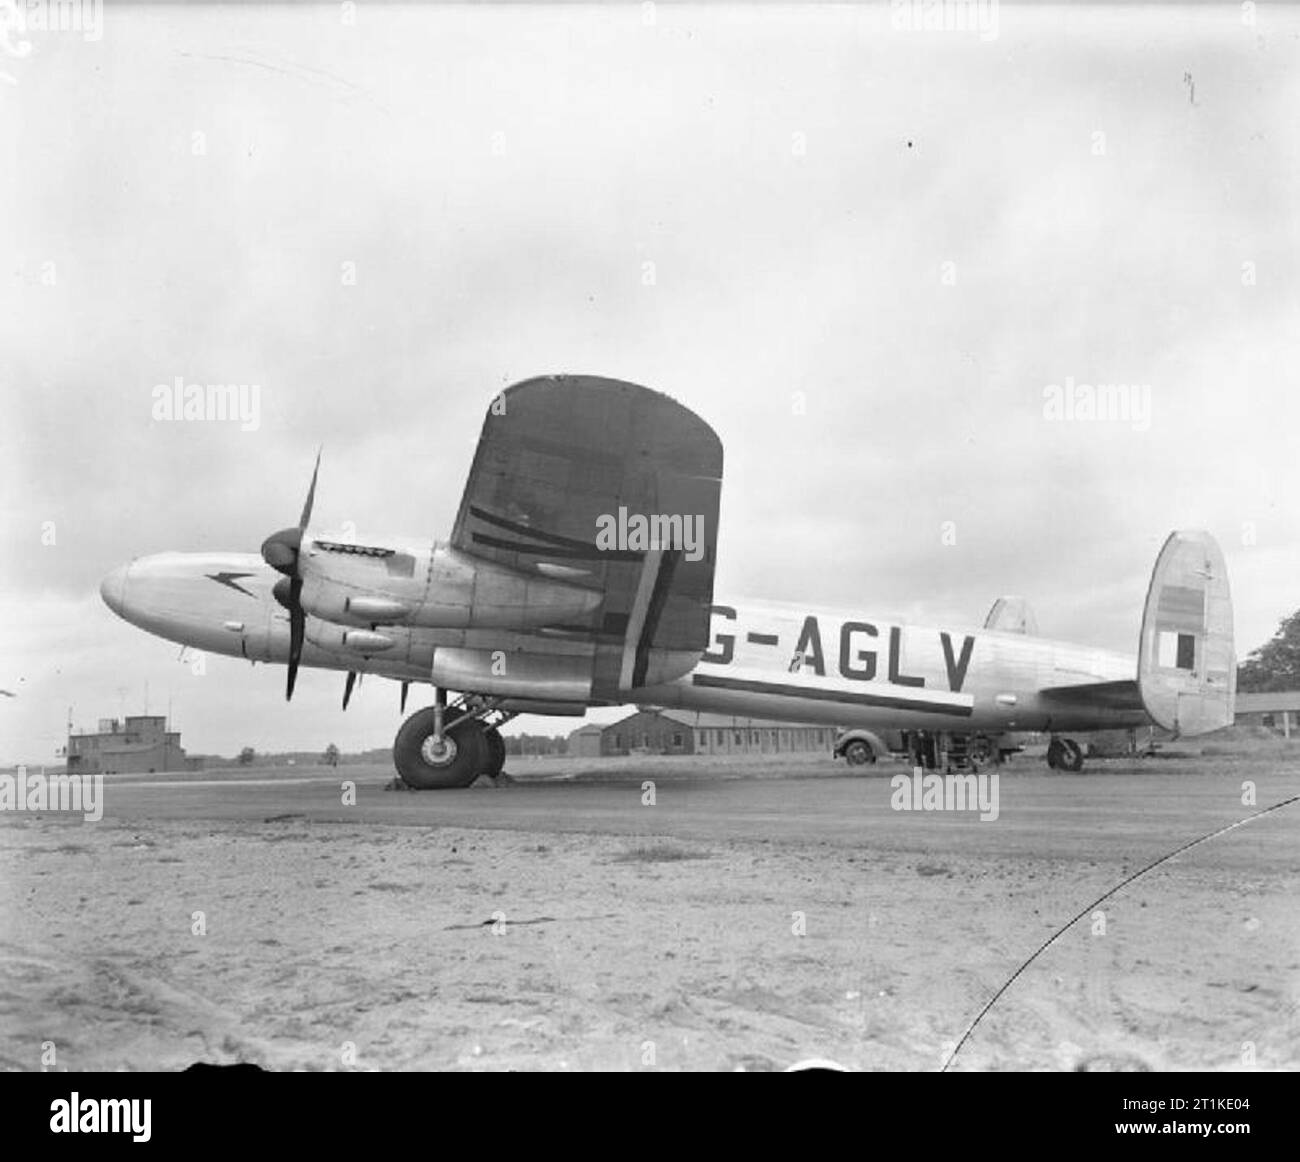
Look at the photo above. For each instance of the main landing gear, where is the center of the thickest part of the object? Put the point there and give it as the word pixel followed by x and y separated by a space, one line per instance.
pixel 443 746
pixel 1064 754
pixel 953 751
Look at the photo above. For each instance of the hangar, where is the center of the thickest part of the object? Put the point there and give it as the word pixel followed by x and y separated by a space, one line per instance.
pixel 694 732
pixel 1278 709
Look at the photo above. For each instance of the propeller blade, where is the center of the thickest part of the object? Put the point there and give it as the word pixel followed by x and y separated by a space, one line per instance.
pixel 281 551
pixel 297 630
pixel 311 495
pixel 347 687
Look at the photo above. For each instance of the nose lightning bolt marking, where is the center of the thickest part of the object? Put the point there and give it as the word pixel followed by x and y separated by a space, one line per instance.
pixel 230 580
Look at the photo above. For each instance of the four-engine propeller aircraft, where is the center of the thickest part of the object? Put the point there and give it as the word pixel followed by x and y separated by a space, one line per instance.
pixel 580 573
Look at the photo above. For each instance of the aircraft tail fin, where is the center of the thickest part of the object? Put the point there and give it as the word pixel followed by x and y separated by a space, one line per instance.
pixel 1187 667
pixel 1012 615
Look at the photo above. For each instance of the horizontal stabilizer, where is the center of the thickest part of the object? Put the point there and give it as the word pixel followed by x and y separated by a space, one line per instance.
pixel 1122 695
pixel 1187 667
pixel 1012 615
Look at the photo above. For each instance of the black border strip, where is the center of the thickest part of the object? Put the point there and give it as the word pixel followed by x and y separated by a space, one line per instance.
pixel 658 597
pixel 587 553
pixel 523 530
pixel 746 686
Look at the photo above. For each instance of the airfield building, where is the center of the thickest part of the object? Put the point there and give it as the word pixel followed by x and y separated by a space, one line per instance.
pixel 1276 709
pixel 692 732
pixel 137 744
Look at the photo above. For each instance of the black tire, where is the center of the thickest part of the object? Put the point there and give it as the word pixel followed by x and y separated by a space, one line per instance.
pixel 495 747
pixel 1071 756
pixel 1054 752
pixel 465 749
pixel 859 753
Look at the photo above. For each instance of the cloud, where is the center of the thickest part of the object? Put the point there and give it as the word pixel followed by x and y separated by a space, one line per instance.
pixel 742 207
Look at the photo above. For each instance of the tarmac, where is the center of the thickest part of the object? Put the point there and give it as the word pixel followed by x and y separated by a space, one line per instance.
pixel 654 913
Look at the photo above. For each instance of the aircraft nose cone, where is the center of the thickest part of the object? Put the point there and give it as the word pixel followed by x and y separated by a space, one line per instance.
pixel 113 589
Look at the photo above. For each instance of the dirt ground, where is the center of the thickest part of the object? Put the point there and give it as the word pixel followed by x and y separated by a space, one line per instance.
pixel 753 916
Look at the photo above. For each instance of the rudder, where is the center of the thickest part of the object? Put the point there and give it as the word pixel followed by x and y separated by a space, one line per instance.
pixel 1187 667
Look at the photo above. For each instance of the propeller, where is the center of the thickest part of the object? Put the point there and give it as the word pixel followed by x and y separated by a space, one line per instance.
pixel 281 551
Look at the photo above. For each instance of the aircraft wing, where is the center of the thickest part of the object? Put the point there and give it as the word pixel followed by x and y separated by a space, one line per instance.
pixel 562 457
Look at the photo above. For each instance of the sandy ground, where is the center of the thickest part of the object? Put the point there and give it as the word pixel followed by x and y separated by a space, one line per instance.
pixel 753 917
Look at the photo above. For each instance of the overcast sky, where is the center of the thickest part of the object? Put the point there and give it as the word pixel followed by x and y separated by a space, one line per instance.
pixel 1114 193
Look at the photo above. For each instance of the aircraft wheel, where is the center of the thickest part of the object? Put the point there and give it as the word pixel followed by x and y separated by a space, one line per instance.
pixel 1065 754
pixel 428 766
pixel 495 748
pixel 1071 756
pixel 859 753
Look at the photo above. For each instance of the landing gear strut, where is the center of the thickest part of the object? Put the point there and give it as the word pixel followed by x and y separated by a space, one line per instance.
pixel 1064 754
pixel 441 746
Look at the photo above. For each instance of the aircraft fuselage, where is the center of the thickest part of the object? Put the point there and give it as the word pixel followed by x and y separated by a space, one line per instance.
pixel 765 660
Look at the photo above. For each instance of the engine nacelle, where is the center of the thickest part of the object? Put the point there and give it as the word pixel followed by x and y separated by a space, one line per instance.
pixel 434 587
pixel 505 673
pixel 377 610
pixel 365 642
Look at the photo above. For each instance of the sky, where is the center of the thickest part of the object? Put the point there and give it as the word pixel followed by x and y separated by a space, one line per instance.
pixel 865 254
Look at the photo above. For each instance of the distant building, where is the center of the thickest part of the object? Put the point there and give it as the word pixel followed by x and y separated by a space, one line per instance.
pixel 586 740
pixel 137 744
pixel 1278 709
pixel 692 732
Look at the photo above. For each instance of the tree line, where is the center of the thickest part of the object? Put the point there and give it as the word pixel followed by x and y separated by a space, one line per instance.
pixel 1276 664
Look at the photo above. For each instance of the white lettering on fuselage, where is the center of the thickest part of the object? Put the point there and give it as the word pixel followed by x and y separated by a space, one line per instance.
pixel 858 659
